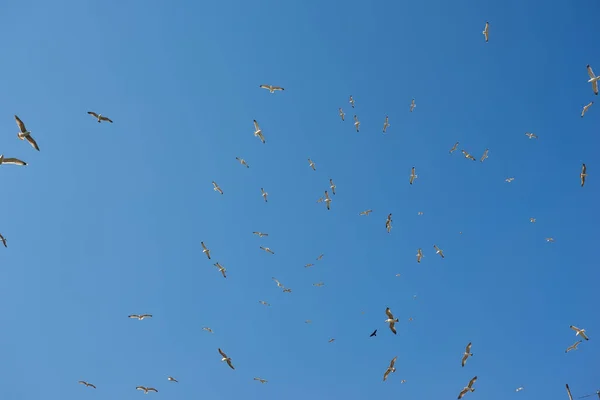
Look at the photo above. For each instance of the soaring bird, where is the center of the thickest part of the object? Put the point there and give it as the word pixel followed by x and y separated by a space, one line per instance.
pixel 485 155
pixel 318 284
pixel 268 250
pixel 264 194
pixel 320 257
pixel 258 132
pixel 391 320
pixel 351 101
pixel 279 284
pixel 419 255
pixel 438 251
pixel 531 135
pixel 366 212
pixel 331 340
pixel 467 354
pixel 100 117
pixel 332 186
pixel 327 200
pixel 374 333
pixel 14 161
pixel 593 79
pixel 468 388
pixel 412 105
pixel 583 174
pixel 207 329
pixel 3 240
pixel 356 123
pixel 170 378
pixel 140 316
pixel 243 162
pixel 486 31
pixel 573 346
pixel 454 147
pixel 413 176
pixel 146 389
pixel 550 239
pixel 390 369
pixel 261 380
pixel 341 112
pixel 264 303
pixel 25 134
pixel 579 332
pixel 519 389
pixel 87 384
pixel 205 250
pixel 216 187
pixel 226 359
pixel 222 269
pixel 467 155
pixel 312 164
pixel 585 108
pixel 308 265
pixel 388 223
pixel 386 124
pixel 260 234
pixel 509 180
pixel 532 220
pixel 271 88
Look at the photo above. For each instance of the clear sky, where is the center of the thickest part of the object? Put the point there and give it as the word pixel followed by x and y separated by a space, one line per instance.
pixel 107 219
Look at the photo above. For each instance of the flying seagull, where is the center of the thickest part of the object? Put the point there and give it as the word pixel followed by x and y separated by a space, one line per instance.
pixel 14 161
pixel 374 333
pixel 413 176
pixel 438 251
pixel 593 79
pixel 3 240
pixel 205 250
pixel 467 155
pixel 268 250
pixel 264 303
pixel 261 380
pixel 242 161
pixel 391 320
pixel 519 389
pixel 573 346
pixel 271 88
pixel 170 378
pixel 454 147
pixel 146 389
pixel 485 155
pixel 467 354
pixel 468 388
pixel 509 180
pixel 260 234
pixel 226 359
pixel 583 174
pixel 318 284
pixel 419 255
pixel 420 213
pixel 216 187
pixel 388 223
pixel 312 164
pixel 332 186
pixel 100 117
pixel 386 124
pixel 585 108
pixel 331 340
pixel 320 257
pixel 531 135
pixel 207 329
pixel 412 105
pixel 532 220
pixel 549 239
pixel 87 384
pixel 222 269
pixel 308 265
pixel 140 316
pixel 258 133
pixel 366 212
pixel 486 31
pixel 580 332
pixel 356 123
pixel 341 112
pixel 279 284
pixel 351 101
pixel 390 369
pixel 264 194
pixel 327 200
pixel 25 134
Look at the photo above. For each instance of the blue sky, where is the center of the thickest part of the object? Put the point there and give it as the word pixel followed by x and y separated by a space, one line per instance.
pixel 107 219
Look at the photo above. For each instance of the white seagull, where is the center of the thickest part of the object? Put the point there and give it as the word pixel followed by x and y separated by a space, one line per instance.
pixel 593 79
pixel 261 380
pixel 332 185
pixel 260 234
pixel 532 220
pixel 13 161
pixel 327 200
pixel 341 112
pixel 146 389
pixel 468 388
pixel 583 174
pixel 386 124
pixel 573 346
pixel 356 123
pixel 579 332
pixel 140 316
pixel 216 187
pixel 226 359
pixel 419 255
pixel 485 155
pixel 412 105
pixel 87 384
pixel 467 354
pixel 268 250
pixel 585 108
pixel 258 132
pixel 454 147
pixel 549 239
pixel 486 31
pixel 351 101
pixel 390 369
pixel 170 378
pixel 531 135
pixel 271 88
pixel 509 180
pixel 264 303
pixel 207 329
pixel 3 240
pixel 388 223
pixel 366 212
pixel 100 117
pixel 311 163
pixel 264 194
pixel 242 161
pixel 222 269
pixel 467 155
pixel 391 320
pixel 25 134
pixel 413 176
pixel 438 251
pixel 205 250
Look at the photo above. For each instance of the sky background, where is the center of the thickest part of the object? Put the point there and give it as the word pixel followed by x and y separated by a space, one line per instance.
pixel 107 219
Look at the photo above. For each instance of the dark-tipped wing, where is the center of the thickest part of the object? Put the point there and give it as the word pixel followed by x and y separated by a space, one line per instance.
pixel 222 353
pixel 468 349
pixel 14 161
pixel 93 113
pixel 472 381
pixel 20 124
pixel 567 385
pixel 393 362
pixel 32 142
pixel 106 119
pixel 389 313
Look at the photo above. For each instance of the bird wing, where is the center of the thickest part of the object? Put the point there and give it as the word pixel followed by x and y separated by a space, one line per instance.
pixel 393 362
pixel 595 87
pixel 222 353
pixel 203 245
pixel 327 195
pixel 462 393
pixel 256 127
pixel 567 386
pixel 583 335
pixel 471 382
pixel 278 88
pixel 261 137
pixel 146 316
pixel 140 388
pixel 590 71
pixel 152 390
pixel 393 327
pixel 573 327
pixel 387 372
pixel 32 142
pixel 464 359
pixel 93 113
pixel 105 119
pixel 230 364
pixel 14 161
pixel 90 385
pixel 20 124
pixel 468 349
pixel 134 316
pixel 388 312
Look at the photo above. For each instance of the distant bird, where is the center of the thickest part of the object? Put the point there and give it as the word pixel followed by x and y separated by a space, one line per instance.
pixel 585 108
pixel 332 186
pixel 486 31
pixel 271 88
pixel 351 101
pixel 420 213
pixel 374 333
pixel 258 132
pixel 205 250
pixel 308 321
pixel 403 381
pixel 519 389
pixel 438 251
pixel 391 320
pixel 243 162
pixel 320 257
pixel 327 200
pixel 341 112
pixel 390 369
pixel 170 378
pixel 531 135
pixel 261 380
pixel 207 329
pixel 569 392
pixel 222 269
pixel 279 284
pixel 14 161
pixel 312 164
pixel 87 384
pixel 419 255
pixel 260 234
pixel 216 187
pixel 318 284
pixel 308 265
pixel 532 220
pixel 468 388
pixel 140 316
pixel 3 240
pixel 268 250
pixel 550 239
pixel 264 194
pixel 146 389
pixel 593 79
pixel 331 340
pixel 573 346
pixel 467 354
pixel 356 123
pixel 264 303
pixel 454 147
pixel 412 105
pixel 25 134
pixel 388 223
pixel 366 212
pixel 579 332
pixel 485 155
pixel 583 174
pixel 99 117
pixel 226 359
pixel 321 199
pixel 386 124
pixel 287 290
pixel 413 176
pixel 509 180
pixel 467 155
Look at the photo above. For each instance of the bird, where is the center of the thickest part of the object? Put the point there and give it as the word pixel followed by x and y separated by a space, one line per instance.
pixel 391 320
pixel 351 101
pixel 438 251
pixel 532 220
pixel 207 329
pixel 170 378
pixel 318 284
pixel 332 186
pixel 312 164
pixel 390 369
pixel 549 239
pixel 341 112
pixel 308 265
pixel 366 212
pixel 268 250
pixel 412 105
pixel 217 188
pixel 14 161
pixel 87 384
pixel 519 389
pixel 226 359
pixel 264 303
pixel 573 346
pixel 593 79
pixel 140 316
pixel 583 174
pixel 3 240
pixel 585 108
pixel 579 332
pixel 388 223
pixel 420 213
pixel 509 180
pixel 454 147
pixel 25 134
pixel 485 155
pixel 356 123
pixel 569 392
pixel 320 199
pixel 413 176
pixel 403 381
pixel 279 284
pixel 320 257
pixel 331 340
pixel 419 255
pixel 258 132
pixel 467 155
pixel 468 388
pixel 271 88
pixel 242 161
pixel 264 194
pixel 146 389
pixel 486 31
pixel 327 200
pixel 308 321
pixel 261 380
pixel 99 117
pixel 222 269
pixel 467 354
pixel 531 135
pixel 386 124
pixel 205 250
pixel 260 234
pixel 287 290
pixel 374 333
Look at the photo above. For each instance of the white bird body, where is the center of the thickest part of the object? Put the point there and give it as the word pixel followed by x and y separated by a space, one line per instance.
pixel 271 88
pixel 258 132
pixel 579 332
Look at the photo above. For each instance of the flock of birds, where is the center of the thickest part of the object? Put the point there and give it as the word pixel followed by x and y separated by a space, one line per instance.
pixel 25 134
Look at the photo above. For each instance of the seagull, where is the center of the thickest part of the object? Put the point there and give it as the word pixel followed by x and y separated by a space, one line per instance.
pixel 420 213
pixel 312 164
pixel 356 123
pixel 593 79
pixel 279 284
pixel 390 369
pixel 226 359
pixel 327 200
pixel 388 223
pixel 170 378
pixel 320 199
pixel 580 332
pixel 261 380
pixel 485 155
pixel 243 162
pixel 14 161
pixel 342 115
pixel 403 381
pixel 419 255
pixel 264 194
pixel 454 147
pixel 412 105
pixel 146 389
pixel 264 303
pixel 573 346
pixel 216 187
pixel 100 117
pixel 509 180
pixel 271 88
pixel 3 240
pixel 583 174
pixel 549 239
pixel 268 250
pixel 87 384
pixel 438 251
pixel 391 320
pixel 308 321
pixel 531 135
pixel 258 132
pixel 386 124
pixel 413 176
pixel 308 265
pixel 207 329
pixel 519 389
pixel 467 354
pixel 532 220
pixel 585 108
pixel 25 134
pixel 374 333
pixel 287 290
pixel 352 101
pixel 467 155
pixel 332 186
pixel 318 284
pixel 331 340
pixel 205 250
pixel 486 31
pixel 140 316
pixel 320 257
pixel 366 212
pixel 260 234
pixel 468 388
pixel 222 269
